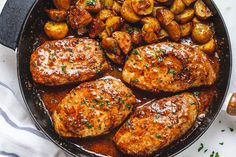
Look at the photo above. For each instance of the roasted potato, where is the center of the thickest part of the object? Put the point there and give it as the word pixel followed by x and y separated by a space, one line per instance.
pixel 186 29
pixel 162 34
pixel 56 15
pixel 150 37
pixel 177 6
pixel 201 33
pixel 142 7
pixel 79 17
pixel 150 24
pixel 111 45
pixel 127 12
pixel 188 2
pixel 113 24
pixel 96 27
pixel 108 3
pixel 104 14
pixel 136 36
pixel 196 20
pixel 103 35
pixel 209 48
pixel 90 5
pixel 124 41
pixel 173 29
pixel 186 16
pixel 82 30
pixel 164 16
pixel 62 4
pixel 118 59
pixel 56 30
pixel 201 10
pixel 164 2
pixel 116 7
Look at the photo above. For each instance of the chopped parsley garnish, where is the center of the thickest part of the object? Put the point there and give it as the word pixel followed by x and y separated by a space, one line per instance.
pixel 128 106
pixel 111 29
pixel 163 52
pixel 122 101
pixel 85 101
pixel 135 52
pixel 221 143
pixel 212 154
pixel 158 136
pixel 159 59
pixel 223 130
pixel 135 80
pixel 147 65
pixel 171 71
pixel 88 124
pixel 205 150
pixel 98 71
pixel 107 103
pixel 231 129
pixel 35 64
pixel 217 154
pixel 174 111
pixel 71 61
pixel 219 121
pixel 129 29
pixel 192 103
pixel 63 68
pixel 196 93
pixel 91 2
pixel 201 147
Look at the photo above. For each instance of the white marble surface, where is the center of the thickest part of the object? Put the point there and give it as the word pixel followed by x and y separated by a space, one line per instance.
pixel 211 138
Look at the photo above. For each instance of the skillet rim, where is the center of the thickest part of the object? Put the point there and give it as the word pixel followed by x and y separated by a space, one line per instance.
pixel 85 152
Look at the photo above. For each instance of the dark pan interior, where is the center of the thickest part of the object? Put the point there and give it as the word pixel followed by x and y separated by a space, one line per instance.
pixel 34 27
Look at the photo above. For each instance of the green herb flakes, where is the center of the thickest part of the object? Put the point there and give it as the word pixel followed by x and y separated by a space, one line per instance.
pixel 201 147
pixel 98 71
pixel 63 69
pixel 147 65
pixel 135 52
pixel 128 106
pixel 135 80
pixel 88 124
pixel 223 130
pixel 231 129
pixel 35 64
pixel 91 2
pixel 171 71
pixel 205 150
pixel 221 143
pixel 196 93
pixel 158 136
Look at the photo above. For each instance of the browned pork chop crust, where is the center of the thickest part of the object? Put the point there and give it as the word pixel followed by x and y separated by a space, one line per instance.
pixel 93 108
pixel 157 124
pixel 168 67
pixel 67 61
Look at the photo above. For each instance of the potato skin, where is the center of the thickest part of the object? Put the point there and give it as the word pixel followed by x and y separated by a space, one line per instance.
pixel 201 33
pixel 151 24
pixel 209 48
pixel 111 45
pixel 113 24
pixel 56 30
pixel 128 13
pixel 173 29
pixel 188 2
pixel 142 7
pixel 150 37
pixel 177 6
pixel 96 28
pixel 62 4
pixel 105 14
pixel 56 15
pixel 79 17
pixel 116 7
pixel 186 29
pixel 124 41
pixel 164 16
pixel 90 5
pixel 186 16
pixel 201 10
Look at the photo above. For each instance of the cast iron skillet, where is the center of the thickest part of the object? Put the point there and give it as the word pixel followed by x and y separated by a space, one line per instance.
pixel 21 22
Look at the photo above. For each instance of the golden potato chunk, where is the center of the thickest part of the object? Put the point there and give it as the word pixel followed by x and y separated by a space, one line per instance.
pixel 186 16
pixel 151 24
pixel 118 59
pixel 164 16
pixel 108 3
pixel 104 14
pixel 173 29
pixel 56 30
pixel 186 29
pixel 162 34
pixel 116 7
pixel 56 15
pixel 79 17
pixel 128 13
pixel 201 10
pixel 96 28
pixel 113 24
pixel 209 48
pixel 201 33
pixel 111 46
pixel 62 4
pixel 136 36
pixel 195 20
pixel 142 7
pixel 150 37
pixel 90 5
pixel 188 2
pixel 177 6
pixel 124 41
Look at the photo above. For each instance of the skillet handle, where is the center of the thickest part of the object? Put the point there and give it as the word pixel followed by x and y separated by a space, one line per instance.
pixel 12 19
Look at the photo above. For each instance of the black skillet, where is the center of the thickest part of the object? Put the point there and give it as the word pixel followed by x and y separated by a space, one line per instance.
pixel 21 22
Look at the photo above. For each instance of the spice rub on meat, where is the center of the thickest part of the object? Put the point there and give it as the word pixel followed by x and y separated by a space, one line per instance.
pixel 168 67
pixel 93 108
pixel 157 124
pixel 67 61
